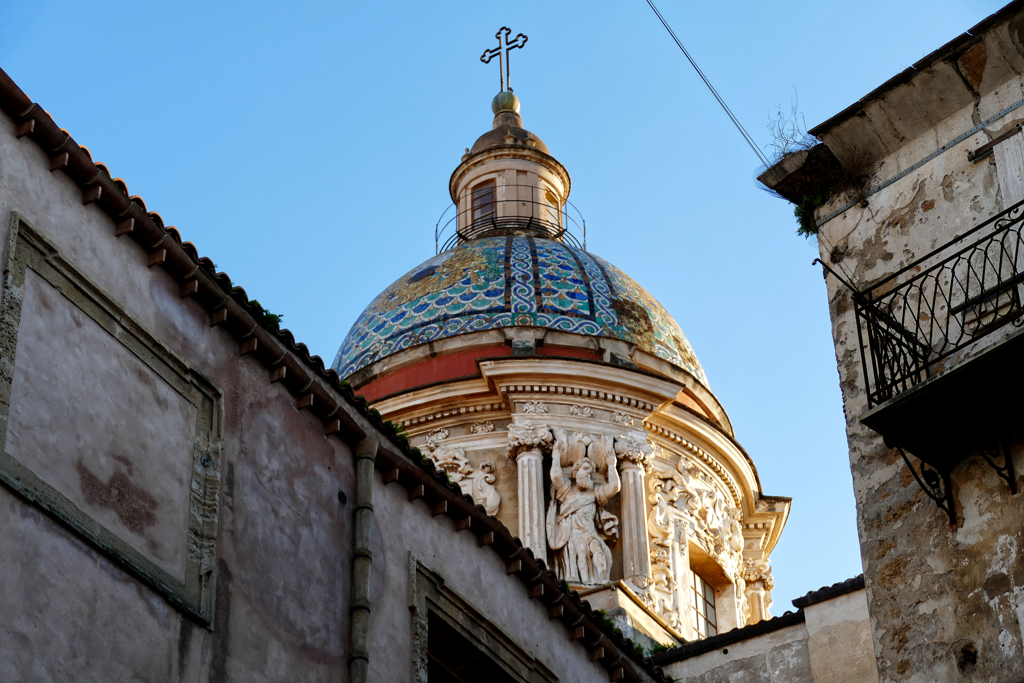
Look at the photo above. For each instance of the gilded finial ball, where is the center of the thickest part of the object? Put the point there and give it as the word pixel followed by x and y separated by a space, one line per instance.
pixel 505 101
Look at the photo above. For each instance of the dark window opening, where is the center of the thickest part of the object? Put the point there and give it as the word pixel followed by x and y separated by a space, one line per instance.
pixel 484 202
pixel 451 658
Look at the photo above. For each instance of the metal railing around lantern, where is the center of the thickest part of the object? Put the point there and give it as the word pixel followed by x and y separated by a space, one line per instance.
pixel 940 304
pixel 530 211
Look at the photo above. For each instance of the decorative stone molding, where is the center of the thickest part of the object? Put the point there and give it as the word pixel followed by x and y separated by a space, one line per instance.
pixel 581 411
pixel 577 391
pixel 713 522
pixel 705 457
pixel 453 412
pixel 669 562
pixel 479 482
pixel 619 417
pixel 482 487
pixel 635 451
pixel 484 427
pixel 686 504
pixel 535 407
pixel 528 437
pixel 758 580
pixel 452 460
pixel 758 573
pixel 434 438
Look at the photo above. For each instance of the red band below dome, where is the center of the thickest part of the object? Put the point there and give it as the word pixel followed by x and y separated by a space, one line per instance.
pixel 458 365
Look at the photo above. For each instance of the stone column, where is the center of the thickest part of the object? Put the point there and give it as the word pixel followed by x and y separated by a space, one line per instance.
pixel 528 443
pixel 758 576
pixel 634 457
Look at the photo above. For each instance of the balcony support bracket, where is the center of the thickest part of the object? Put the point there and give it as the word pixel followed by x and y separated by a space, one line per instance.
pixel 937 485
pixel 1000 458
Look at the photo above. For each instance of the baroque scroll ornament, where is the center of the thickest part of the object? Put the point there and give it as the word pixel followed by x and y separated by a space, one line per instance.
pixel 687 505
pixel 577 523
pixel 479 480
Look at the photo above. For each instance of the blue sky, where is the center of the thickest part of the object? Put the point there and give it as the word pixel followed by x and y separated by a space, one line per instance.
pixel 306 148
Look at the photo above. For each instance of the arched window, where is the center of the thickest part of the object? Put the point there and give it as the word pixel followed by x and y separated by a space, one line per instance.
pixel 705 620
pixel 552 213
pixel 484 204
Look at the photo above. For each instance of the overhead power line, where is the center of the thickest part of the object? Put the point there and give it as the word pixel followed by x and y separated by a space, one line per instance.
pixel 725 107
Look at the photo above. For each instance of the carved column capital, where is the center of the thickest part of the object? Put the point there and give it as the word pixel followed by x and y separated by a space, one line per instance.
pixel 527 437
pixel 634 451
pixel 758 573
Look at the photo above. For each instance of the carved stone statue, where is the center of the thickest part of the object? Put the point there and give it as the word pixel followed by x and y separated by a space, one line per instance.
pixel 576 519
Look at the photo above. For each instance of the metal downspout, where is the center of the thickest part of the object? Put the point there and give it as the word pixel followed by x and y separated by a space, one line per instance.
pixel 359 655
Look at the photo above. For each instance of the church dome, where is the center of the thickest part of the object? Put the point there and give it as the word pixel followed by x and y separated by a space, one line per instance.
pixel 513 281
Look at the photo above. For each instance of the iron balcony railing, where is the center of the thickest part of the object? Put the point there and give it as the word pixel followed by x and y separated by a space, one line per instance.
pixel 521 209
pixel 940 304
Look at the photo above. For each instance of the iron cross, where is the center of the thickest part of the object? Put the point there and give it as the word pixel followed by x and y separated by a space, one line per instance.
pixel 501 52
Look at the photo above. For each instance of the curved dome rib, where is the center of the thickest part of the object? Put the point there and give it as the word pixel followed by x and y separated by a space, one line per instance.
pixel 510 281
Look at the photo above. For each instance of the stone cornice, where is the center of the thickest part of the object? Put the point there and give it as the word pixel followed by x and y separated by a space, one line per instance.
pixel 577 392
pixel 554 375
pixel 461 411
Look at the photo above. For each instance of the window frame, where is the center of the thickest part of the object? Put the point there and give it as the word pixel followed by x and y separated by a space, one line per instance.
pixel 474 219
pixel 430 596
pixel 701 589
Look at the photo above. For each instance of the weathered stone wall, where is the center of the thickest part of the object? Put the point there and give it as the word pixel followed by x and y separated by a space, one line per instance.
pixel 940 598
pixel 115 380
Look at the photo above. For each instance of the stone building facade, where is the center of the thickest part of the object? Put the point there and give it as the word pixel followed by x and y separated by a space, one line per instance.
pixel 188 495
pixel 538 486
pixel 916 191
pixel 552 386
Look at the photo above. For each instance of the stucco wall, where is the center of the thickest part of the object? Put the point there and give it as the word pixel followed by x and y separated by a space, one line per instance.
pixel 839 640
pixel 283 545
pixel 777 657
pixel 935 593
pixel 477 575
pixel 831 645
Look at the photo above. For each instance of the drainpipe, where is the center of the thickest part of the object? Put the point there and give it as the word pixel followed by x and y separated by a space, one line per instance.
pixel 359 656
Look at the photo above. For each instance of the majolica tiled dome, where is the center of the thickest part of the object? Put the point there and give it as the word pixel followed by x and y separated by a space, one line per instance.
pixel 511 281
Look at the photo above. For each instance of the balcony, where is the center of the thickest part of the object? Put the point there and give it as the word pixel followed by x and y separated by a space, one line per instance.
pixel 942 351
